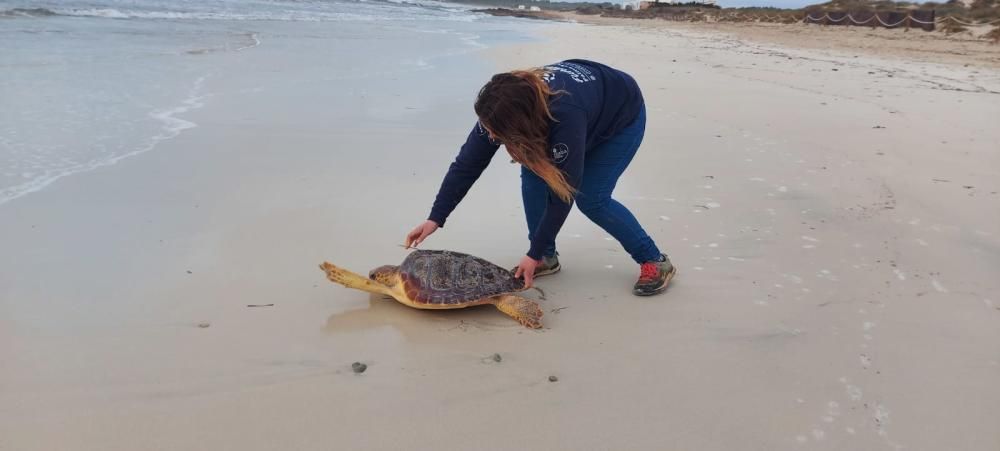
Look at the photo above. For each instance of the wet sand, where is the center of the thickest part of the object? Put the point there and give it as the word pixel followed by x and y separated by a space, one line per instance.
pixel 833 217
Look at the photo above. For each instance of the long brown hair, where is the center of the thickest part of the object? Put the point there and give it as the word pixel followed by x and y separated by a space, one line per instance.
pixel 514 108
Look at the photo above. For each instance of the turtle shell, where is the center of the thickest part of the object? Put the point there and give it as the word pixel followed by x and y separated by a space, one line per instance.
pixel 453 278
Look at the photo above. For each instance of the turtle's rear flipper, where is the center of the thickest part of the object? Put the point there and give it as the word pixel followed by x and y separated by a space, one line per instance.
pixel 525 311
pixel 352 280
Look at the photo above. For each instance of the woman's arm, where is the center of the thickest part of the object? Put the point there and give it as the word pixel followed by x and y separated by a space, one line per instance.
pixel 472 160
pixel 567 146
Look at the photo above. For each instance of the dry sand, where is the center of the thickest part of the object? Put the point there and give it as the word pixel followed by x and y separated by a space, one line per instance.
pixel 967 47
pixel 834 218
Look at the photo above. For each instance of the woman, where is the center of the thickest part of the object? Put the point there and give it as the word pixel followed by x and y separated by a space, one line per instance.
pixel 574 127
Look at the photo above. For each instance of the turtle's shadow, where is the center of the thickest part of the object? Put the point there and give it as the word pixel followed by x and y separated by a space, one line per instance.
pixel 386 311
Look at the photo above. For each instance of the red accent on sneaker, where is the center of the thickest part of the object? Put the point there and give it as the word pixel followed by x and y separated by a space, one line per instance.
pixel 649 272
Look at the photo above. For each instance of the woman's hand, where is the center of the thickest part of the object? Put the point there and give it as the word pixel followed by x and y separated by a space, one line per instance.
pixel 527 269
pixel 420 232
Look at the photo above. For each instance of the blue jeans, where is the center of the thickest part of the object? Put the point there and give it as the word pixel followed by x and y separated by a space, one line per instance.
pixel 601 168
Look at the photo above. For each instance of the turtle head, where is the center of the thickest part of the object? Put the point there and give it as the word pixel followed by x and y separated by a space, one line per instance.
pixel 384 274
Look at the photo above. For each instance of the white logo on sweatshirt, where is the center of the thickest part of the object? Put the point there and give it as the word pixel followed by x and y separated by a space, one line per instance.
pixel 576 72
pixel 559 153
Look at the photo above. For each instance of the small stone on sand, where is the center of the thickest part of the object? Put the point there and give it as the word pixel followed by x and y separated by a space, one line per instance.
pixel 497 358
pixel 203 325
pixel 359 367
pixel 553 379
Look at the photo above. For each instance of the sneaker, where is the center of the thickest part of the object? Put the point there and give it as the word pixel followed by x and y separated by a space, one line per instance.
pixel 549 265
pixel 654 277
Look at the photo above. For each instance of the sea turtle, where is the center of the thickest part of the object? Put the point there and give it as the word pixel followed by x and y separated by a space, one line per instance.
pixel 429 279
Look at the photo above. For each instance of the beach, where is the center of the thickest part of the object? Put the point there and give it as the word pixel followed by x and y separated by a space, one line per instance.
pixel 969 47
pixel 833 215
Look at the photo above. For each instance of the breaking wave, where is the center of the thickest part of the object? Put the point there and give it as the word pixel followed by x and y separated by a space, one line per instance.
pixel 377 10
pixel 27 12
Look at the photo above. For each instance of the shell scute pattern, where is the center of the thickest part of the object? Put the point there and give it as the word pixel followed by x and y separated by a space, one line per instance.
pixel 450 278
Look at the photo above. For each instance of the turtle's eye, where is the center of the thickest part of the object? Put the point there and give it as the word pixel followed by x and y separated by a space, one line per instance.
pixel 379 273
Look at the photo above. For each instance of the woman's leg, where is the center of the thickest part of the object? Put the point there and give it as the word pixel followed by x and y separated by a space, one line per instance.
pixel 602 168
pixel 535 195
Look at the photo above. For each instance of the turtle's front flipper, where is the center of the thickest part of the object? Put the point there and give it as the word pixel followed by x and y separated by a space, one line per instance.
pixel 352 280
pixel 525 311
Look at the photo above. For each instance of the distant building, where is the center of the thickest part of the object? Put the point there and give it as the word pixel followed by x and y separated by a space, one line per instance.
pixel 535 8
pixel 520 6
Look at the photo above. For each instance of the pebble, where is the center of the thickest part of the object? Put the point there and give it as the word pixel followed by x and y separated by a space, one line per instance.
pixel 497 358
pixel 553 379
pixel 204 324
pixel 359 367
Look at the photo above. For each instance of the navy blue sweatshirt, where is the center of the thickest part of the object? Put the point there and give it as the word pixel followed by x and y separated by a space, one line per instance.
pixel 598 102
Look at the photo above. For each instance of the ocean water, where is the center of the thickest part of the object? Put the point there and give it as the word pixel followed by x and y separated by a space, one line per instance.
pixel 86 84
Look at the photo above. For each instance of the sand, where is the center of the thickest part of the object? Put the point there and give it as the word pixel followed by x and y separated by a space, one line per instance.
pixel 968 47
pixel 833 216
